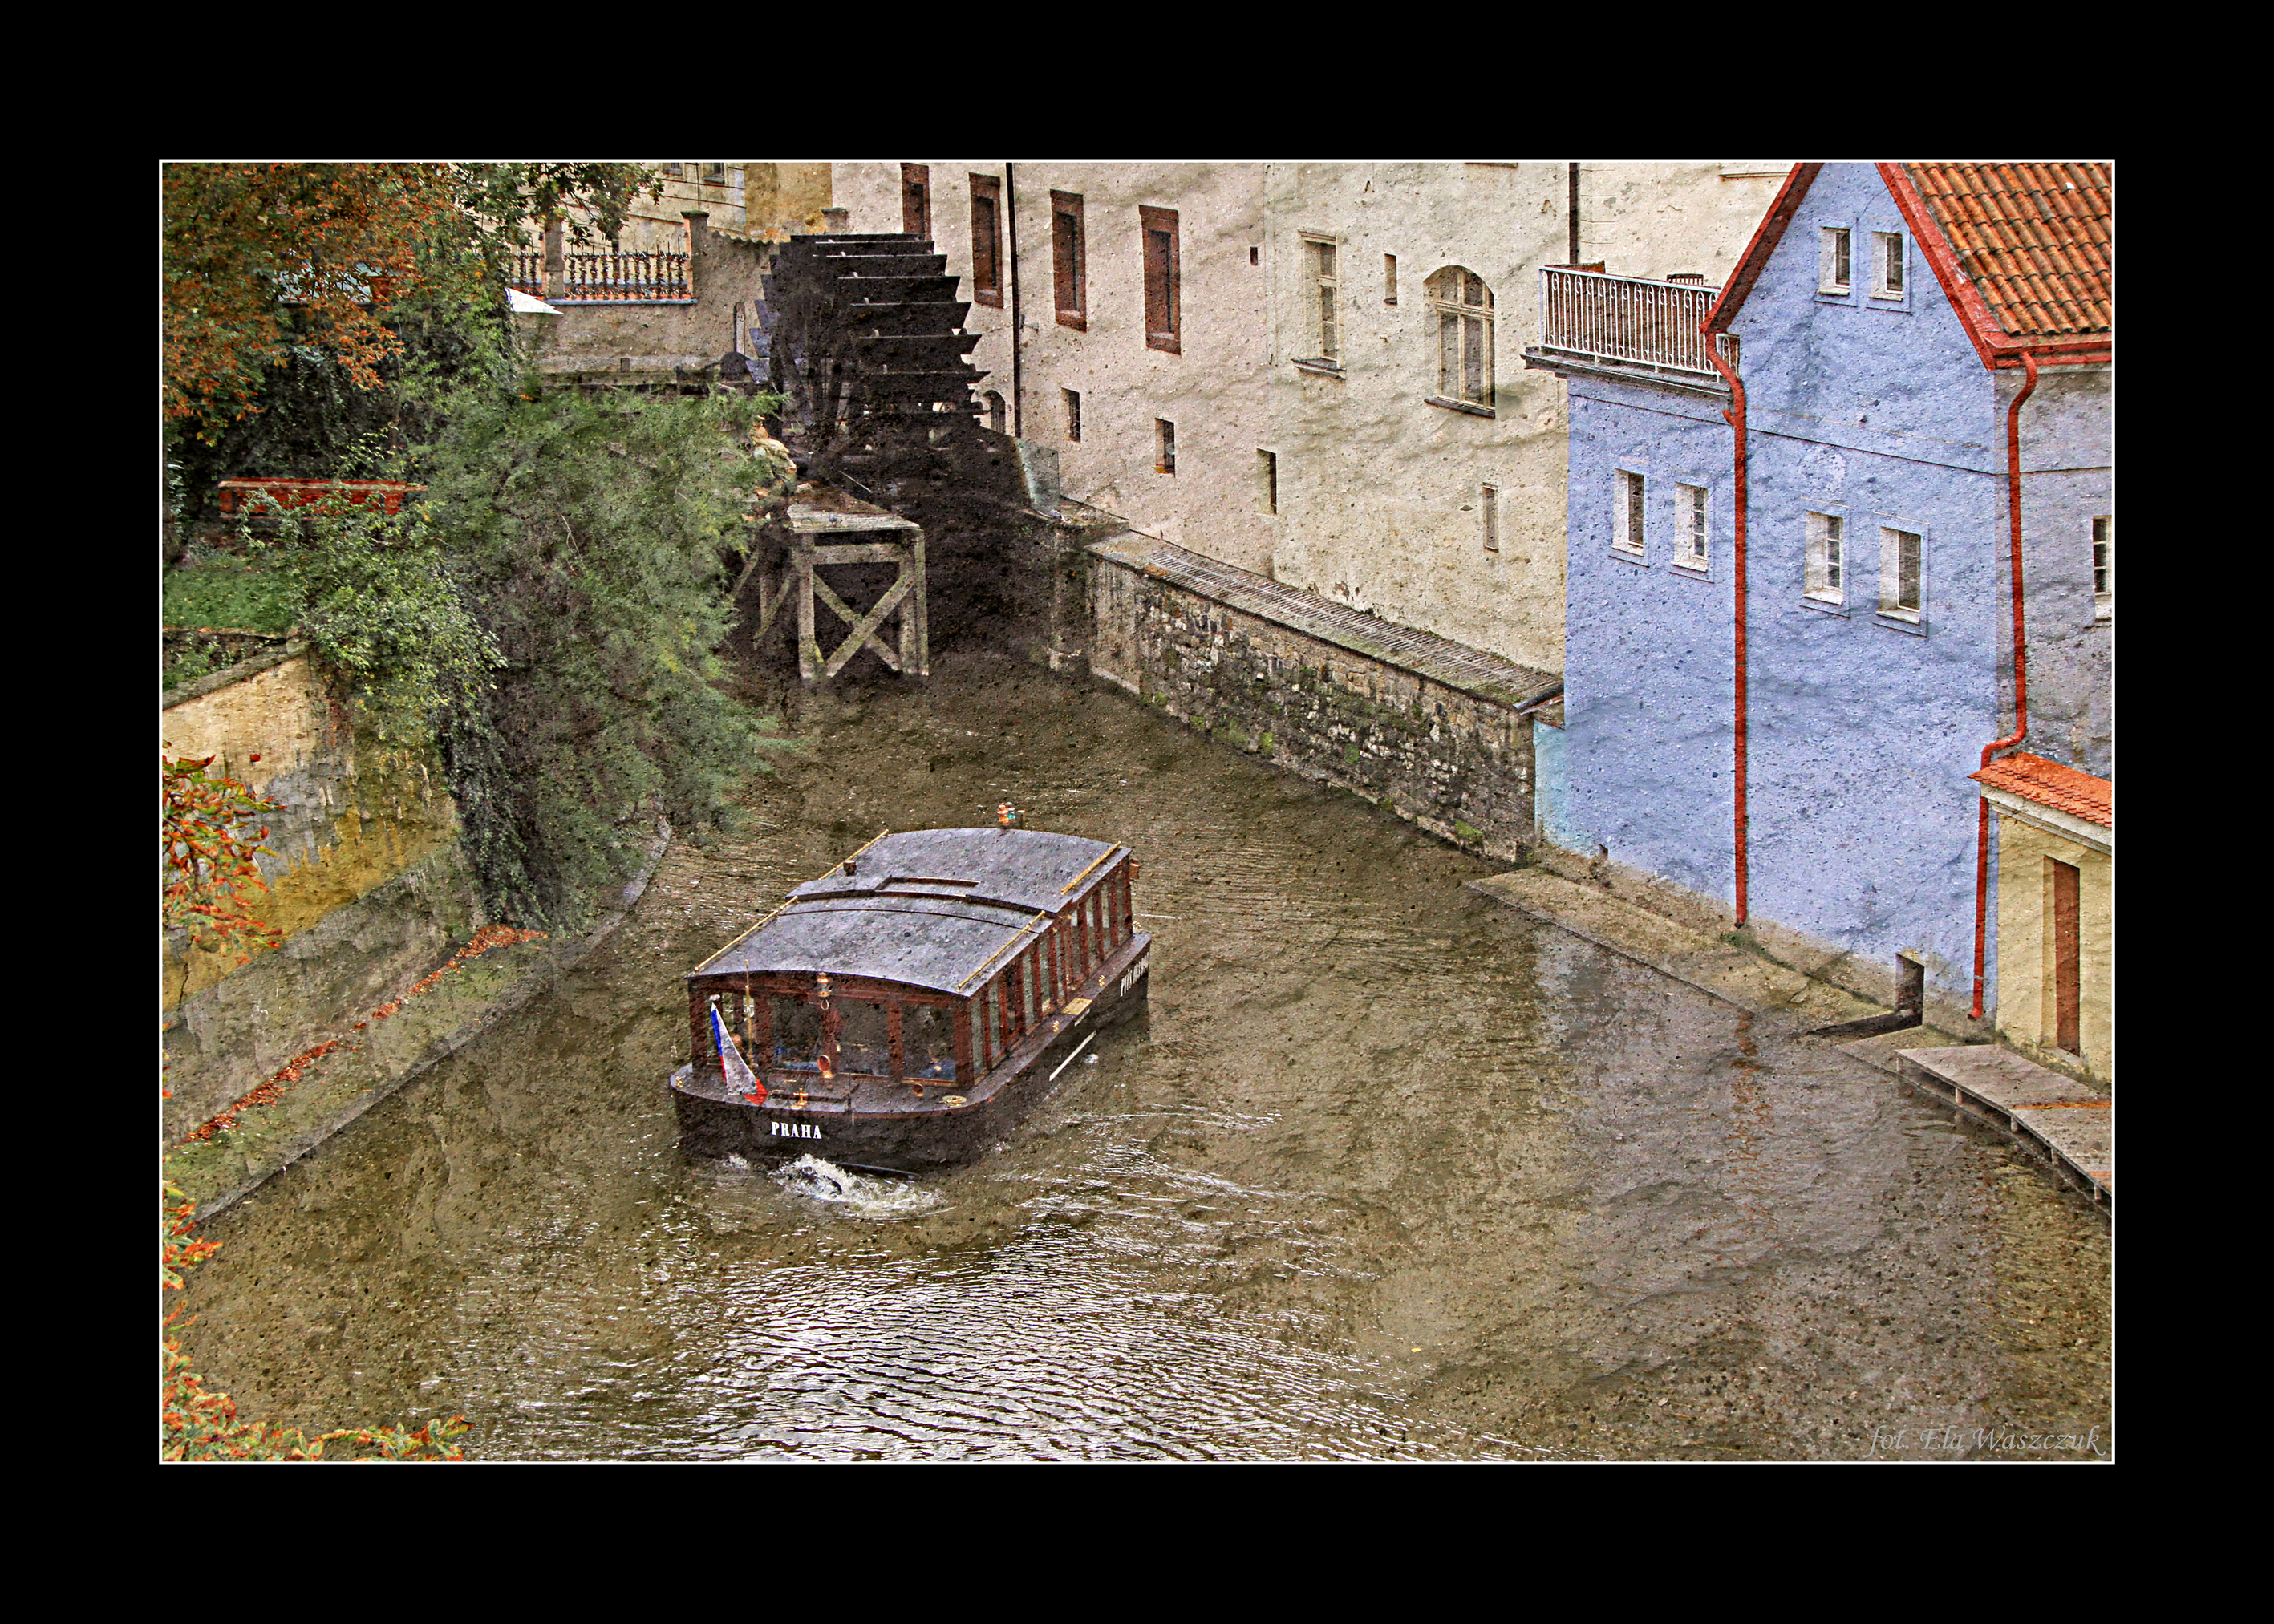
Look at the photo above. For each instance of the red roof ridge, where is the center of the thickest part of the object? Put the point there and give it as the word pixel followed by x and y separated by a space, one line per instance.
pixel 2049 784
pixel 2055 285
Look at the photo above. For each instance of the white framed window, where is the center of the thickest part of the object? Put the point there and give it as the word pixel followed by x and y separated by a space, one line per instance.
pixel 1488 502
pixel 1902 574
pixel 1690 526
pixel 1887 264
pixel 1827 580
pixel 1833 250
pixel 2103 566
pixel 1628 527
pixel 1324 270
pixel 1463 308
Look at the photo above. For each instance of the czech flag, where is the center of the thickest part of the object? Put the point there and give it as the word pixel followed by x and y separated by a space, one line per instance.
pixel 740 1078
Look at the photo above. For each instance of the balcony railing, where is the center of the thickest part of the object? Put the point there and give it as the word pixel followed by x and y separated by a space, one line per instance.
pixel 609 278
pixel 1624 319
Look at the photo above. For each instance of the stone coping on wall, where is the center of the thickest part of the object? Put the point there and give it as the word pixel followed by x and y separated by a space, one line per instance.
pixel 253 666
pixel 596 364
pixel 2065 1124
pixel 1452 664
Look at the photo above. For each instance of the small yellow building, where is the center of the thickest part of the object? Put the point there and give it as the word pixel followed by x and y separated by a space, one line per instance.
pixel 2056 912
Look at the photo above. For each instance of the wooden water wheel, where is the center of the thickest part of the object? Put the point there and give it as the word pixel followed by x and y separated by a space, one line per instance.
pixel 864 340
pixel 867 348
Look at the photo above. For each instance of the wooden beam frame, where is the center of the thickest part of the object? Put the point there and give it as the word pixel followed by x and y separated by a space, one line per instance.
pixel 801 578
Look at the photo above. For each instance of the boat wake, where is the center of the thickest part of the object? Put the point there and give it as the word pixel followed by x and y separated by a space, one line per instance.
pixel 861 1195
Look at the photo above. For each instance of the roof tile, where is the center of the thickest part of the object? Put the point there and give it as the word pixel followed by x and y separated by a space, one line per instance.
pixel 2049 784
pixel 2034 237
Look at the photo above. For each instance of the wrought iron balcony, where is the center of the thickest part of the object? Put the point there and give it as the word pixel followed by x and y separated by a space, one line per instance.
pixel 1592 317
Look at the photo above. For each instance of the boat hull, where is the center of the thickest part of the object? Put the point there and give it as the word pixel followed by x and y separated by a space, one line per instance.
pixel 931 1135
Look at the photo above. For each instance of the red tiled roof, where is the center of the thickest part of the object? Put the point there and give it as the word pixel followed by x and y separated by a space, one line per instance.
pixel 2032 237
pixel 2049 784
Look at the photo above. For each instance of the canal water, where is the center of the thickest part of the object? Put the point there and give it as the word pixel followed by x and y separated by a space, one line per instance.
pixel 1389 1172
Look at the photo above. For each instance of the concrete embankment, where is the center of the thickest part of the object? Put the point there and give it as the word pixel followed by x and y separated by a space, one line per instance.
pixel 324 1090
pixel 2062 1123
pixel 1435 730
pixel 385 965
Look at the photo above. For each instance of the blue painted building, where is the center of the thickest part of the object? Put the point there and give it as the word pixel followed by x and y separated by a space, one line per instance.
pixel 1881 324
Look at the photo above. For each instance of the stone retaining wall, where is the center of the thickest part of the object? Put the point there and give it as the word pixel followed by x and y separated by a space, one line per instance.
pixel 1457 763
pixel 367 882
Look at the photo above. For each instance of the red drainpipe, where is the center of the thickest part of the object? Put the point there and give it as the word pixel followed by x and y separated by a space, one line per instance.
pixel 1736 418
pixel 2020 678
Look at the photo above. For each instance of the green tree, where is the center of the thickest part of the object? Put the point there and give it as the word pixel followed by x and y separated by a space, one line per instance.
pixel 382 609
pixel 594 538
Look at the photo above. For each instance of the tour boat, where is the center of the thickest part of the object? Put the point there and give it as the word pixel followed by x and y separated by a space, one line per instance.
pixel 903 1010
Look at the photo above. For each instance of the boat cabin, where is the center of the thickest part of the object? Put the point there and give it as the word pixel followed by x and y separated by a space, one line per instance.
pixel 921 963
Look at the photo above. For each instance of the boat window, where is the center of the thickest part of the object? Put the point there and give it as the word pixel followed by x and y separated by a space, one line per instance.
pixel 863 1049
pixel 928 1040
pixel 797 1034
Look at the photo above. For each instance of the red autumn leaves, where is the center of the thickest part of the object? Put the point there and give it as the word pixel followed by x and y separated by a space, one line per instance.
pixel 208 845
pixel 484 940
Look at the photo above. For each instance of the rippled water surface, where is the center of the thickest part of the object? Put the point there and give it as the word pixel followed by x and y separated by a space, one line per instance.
pixel 1389 1172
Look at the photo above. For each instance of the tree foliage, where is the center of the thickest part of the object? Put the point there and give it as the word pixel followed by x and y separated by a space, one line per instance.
pixel 594 538
pixel 208 845
pixel 264 261
pixel 376 599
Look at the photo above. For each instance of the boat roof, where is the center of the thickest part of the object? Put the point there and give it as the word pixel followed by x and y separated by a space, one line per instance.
pixel 928 907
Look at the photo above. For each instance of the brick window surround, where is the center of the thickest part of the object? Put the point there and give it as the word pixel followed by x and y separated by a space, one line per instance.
pixel 1163 325
pixel 915 199
pixel 987 240
pixel 1069 272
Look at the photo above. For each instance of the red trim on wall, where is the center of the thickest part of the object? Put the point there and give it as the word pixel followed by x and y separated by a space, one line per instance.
pixel 1973 311
pixel 1766 236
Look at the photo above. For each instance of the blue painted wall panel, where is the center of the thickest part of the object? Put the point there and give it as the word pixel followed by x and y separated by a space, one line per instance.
pixel 1864 728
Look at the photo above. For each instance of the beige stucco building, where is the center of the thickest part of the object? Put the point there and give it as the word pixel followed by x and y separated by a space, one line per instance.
pixel 1309 370
pixel 1087 381
pixel 739 194
pixel 2056 939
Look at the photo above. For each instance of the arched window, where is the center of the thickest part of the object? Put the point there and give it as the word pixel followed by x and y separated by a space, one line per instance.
pixel 1464 309
pixel 994 412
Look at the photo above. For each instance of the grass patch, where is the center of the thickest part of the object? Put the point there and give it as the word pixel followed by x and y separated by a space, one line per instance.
pixel 229 597
pixel 239 596
pixel 1468 832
